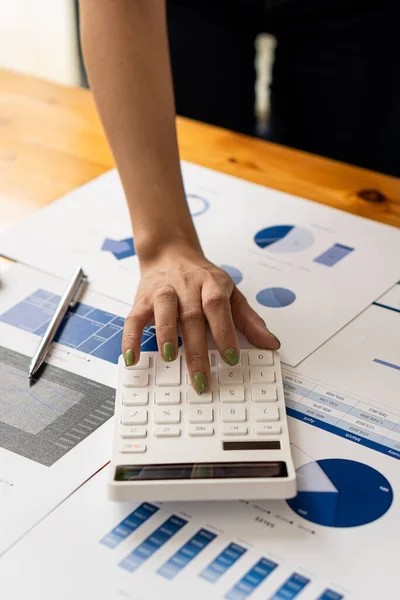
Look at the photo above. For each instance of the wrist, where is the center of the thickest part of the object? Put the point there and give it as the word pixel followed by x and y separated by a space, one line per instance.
pixel 173 247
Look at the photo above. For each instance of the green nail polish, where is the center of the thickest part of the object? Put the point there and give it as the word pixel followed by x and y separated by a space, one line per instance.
pixel 129 358
pixel 275 338
pixel 231 357
pixel 168 352
pixel 200 382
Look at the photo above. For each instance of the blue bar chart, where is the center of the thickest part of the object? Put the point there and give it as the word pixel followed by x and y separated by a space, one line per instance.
pixel 224 561
pixel 329 594
pixel 128 525
pixel 251 580
pixel 186 553
pixel 230 570
pixel 152 543
pixel 291 587
pixel 333 255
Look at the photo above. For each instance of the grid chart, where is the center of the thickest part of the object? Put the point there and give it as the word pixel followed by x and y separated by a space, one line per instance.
pixel 45 419
pixel 212 570
pixel 90 330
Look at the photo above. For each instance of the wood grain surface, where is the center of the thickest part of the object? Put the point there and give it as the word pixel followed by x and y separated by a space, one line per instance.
pixel 51 141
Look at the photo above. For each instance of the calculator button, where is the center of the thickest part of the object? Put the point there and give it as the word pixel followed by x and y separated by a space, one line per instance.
pixel 127 432
pixel 128 447
pixel 222 364
pixel 263 393
pixel 135 397
pixel 262 375
pixel 142 363
pixel 265 412
pixel 200 414
pixel 168 373
pixel 267 429
pixel 234 430
pixel 168 396
pixel 229 376
pixel 167 415
pixel 194 398
pixel 263 358
pixel 200 430
pixel 232 414
pixel 135 378
pixel 235 393
pixel 167 431
pixel 134 416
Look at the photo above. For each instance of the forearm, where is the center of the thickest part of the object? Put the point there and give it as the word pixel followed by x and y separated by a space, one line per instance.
pixel 126 54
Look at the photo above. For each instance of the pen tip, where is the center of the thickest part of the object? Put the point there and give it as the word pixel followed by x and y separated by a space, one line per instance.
pixel 30 375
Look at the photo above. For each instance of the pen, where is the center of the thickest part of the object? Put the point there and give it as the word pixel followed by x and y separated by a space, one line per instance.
pixel 66 301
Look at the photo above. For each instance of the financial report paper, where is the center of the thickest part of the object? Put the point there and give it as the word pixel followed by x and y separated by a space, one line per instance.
pixel 345 431
pixel 306 268
pixel 55 432
pixel 337 539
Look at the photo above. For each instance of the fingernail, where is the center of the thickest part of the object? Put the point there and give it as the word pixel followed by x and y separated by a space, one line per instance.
pixel 129 358
pixel 168 352
pixel 275 338
pixel 231 357
pixel 200 382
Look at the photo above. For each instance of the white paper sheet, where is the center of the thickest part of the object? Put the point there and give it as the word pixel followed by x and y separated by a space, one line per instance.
pixel 86 548
pixel 306 268
pixel 56 433
pixel 64 557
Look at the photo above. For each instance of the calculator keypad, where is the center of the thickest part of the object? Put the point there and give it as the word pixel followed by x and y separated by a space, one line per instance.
pixel 158 400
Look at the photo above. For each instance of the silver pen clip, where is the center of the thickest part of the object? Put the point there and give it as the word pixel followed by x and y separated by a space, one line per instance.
pixel 79 289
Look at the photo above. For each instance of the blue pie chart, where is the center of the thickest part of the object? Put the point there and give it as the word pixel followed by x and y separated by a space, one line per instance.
pixel 235 274
pixel 341 493
pixel 284 238
pixel 276 297
pixel 197 204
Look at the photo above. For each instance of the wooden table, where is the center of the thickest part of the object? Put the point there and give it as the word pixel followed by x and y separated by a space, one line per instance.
pixel 51 141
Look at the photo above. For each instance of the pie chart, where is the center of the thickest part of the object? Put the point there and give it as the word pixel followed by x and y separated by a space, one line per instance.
pixel 197 204
pixel 341 493
pixel 276 297
pixel 284 238
pixel 235 274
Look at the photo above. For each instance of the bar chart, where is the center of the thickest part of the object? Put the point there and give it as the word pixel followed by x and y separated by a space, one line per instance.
pixel 149 541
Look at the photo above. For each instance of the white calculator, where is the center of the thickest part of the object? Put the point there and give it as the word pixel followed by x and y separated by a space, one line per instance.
pixel 231 442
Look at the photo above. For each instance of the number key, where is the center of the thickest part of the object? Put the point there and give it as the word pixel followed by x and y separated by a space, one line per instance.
pixel 258 358
pixel 233 414
pixel 265 412
pixel 229 376
pixel 200 414
pixel 232 394
pixel 262 375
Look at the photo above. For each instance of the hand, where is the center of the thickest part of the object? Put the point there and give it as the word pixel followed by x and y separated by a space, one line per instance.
pixel 182 286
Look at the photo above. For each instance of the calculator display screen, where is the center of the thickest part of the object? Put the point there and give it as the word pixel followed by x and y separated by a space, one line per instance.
pixel 221 470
